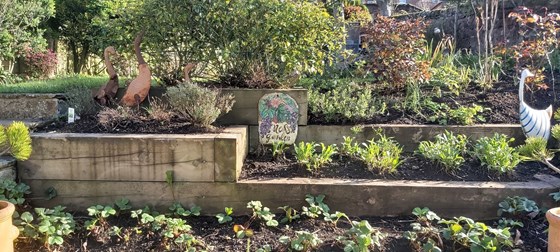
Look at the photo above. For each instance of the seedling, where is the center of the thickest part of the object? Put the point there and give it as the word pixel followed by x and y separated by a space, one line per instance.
pixel 225 217
pixel 291 214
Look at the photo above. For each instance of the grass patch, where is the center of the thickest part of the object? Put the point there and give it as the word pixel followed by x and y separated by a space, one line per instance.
pixel 56 85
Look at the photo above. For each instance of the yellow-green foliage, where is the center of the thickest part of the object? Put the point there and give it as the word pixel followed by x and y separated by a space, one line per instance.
pixel 555 131
pixel 16 140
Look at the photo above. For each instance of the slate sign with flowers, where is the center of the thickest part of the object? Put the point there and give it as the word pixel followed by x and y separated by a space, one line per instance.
pixel 278 118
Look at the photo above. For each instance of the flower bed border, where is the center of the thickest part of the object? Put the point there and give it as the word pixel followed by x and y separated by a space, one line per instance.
pixel 477 200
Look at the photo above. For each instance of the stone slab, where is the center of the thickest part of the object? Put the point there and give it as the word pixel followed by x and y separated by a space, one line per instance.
pixel 30 107
pixel 409 136
pixel 477 200
pixel 129 157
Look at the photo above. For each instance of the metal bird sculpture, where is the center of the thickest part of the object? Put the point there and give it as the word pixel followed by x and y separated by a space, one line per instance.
pixel 138 89
pixel 108 91
pixel 535 123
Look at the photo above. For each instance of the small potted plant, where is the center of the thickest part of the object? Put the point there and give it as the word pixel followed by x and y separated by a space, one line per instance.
pixel 553 217
pixel 8 232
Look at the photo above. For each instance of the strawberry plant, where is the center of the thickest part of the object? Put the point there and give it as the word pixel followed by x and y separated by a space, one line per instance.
pixel 362 237
pixel 48 225
pixel 304 241
pixel 13 192
pixel 290 214
pixel 225 217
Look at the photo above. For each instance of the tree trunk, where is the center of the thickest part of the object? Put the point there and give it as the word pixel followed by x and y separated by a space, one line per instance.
pixel 75 57
pixel 384 8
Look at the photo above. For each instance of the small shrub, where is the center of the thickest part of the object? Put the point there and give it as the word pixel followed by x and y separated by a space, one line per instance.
pixel 382 154
pixel 463 115
pixel 357 14
pixel 447 150
pixel 82 101
pixel 40 64
pixel 394 49
pixel 159 110
pixel 496 154
pixel 15 141
pixel 197 104
pixel 345 103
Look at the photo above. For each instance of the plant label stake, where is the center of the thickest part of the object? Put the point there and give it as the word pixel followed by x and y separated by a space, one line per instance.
pixel 278 119
pixel 71 115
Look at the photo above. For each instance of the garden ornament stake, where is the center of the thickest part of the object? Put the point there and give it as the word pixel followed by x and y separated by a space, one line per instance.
pixel 138 89
pixel 188 68
pixel 108 91
pixel 535 123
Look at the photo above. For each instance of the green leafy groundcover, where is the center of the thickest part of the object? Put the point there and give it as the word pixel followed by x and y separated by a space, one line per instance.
pixel 314 227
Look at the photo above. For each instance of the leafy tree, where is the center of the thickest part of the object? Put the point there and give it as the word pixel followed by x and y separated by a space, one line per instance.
pixel 20 26
pixel 240 39
pixel 88 26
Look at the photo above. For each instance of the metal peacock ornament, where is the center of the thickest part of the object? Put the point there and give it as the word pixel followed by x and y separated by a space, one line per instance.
pixel 535 123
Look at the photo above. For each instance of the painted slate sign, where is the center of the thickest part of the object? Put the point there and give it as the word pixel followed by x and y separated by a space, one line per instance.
pixel 278 118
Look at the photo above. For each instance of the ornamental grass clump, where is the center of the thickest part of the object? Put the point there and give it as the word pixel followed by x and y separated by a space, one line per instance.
pixel 496 154
pixel 535 149
pixel 447 150
pixel 199 105
pixel 15 141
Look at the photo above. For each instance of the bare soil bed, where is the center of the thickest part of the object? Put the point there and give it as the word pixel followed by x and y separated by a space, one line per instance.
pixel 213 236
pixel 137 125
pixel 412 168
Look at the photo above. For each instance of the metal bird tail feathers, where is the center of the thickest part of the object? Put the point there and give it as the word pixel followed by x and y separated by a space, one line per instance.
pixel 535 123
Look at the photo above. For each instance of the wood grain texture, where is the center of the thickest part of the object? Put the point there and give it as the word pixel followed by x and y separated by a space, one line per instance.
pixel 355 197
pixel 409 136
pixel 110 157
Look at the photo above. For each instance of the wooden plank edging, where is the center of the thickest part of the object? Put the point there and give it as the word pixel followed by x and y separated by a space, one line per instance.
pixel 477 200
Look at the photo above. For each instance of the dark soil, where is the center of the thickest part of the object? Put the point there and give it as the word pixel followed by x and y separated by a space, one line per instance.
pixel 412 168
pixel 502 103
pixel 213 236
pixel 137 125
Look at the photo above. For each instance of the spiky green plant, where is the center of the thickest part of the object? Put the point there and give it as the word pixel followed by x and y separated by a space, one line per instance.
pixel 15 140
pixel 555 132
pixel 535 149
